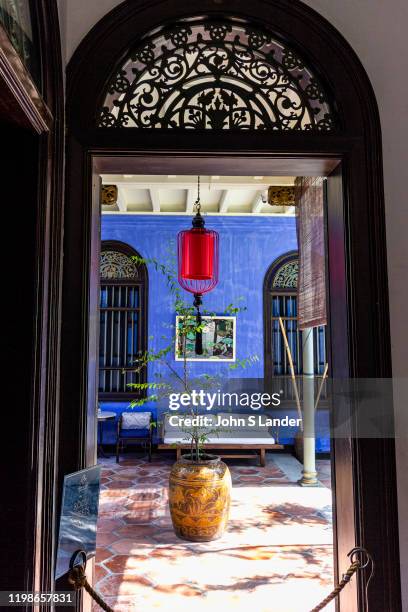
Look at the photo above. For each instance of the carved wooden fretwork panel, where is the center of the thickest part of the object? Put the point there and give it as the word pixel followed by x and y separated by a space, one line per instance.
pixel 214 75
pixel 117 265
pixel 286 277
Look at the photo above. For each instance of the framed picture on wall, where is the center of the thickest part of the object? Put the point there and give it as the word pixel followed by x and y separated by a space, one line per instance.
pixel 219 340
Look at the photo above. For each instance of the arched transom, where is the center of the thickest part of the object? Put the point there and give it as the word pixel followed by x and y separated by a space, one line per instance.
pixel 115 265
pixel 223 75
pixel 286 277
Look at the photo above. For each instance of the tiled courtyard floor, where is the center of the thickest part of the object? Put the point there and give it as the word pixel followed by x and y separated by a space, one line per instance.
pixel 275 557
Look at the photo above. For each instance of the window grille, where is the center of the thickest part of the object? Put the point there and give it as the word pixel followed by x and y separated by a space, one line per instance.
pixel 122 338
pixel 281 302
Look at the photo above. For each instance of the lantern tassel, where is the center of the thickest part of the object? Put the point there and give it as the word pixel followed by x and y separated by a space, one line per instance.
pixel 199 336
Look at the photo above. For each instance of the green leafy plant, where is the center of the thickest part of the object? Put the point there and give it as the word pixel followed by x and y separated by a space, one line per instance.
pixel 176 340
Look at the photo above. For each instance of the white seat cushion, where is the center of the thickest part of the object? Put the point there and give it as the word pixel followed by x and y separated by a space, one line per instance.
pixel 136 420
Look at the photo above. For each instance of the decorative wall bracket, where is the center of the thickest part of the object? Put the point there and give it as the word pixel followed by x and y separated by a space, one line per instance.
pixel 280 196
pixel 109 195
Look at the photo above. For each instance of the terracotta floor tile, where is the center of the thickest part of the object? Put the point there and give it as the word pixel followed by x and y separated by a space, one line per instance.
pixel 164 521
pixel 136 515
pixel 179 589
pixel 130 546
pixel 133 519
pixel 120 484
pixel 122 564
pixel 100 572
pixel 106 525
pixel 278 543
pixel 171 552
pixel 105 539
pixel 149 480
pixel 146 495
pixel 114 494
pixel 102 553
pixel 108 508
pixel 123 584
pixel 246 471
pixel 254 479
pixel 137 532
pixel 107 473
pixel 166 537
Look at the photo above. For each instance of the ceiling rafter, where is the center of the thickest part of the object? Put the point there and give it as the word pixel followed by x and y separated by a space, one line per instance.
pixel 226 195
pixel 223 204
pixel 191 196
pixel 257 202
pixel 122 201
pixel 155 199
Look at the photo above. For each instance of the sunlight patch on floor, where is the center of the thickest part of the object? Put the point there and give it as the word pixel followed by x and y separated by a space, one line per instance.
pixel 276 555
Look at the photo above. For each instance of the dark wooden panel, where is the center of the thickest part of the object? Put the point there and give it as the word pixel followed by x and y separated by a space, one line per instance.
pixel 32 139
pixel 177 163
pixel 21 414
pixel 342 467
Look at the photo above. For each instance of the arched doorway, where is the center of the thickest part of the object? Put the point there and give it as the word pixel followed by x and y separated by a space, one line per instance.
pixel 103 135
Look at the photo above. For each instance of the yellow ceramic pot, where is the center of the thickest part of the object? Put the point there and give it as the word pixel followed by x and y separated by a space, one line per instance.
pixel 199 498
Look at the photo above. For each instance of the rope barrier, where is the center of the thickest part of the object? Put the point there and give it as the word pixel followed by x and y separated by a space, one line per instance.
pixel 359 557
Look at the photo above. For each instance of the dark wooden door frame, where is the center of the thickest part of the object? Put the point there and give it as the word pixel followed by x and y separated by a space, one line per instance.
pixel 34 112
pixel 356 238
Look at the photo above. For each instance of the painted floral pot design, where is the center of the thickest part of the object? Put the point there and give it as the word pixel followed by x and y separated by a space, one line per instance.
pixel 199 498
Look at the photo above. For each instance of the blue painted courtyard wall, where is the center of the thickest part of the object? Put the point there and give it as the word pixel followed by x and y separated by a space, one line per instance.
pixel 248 246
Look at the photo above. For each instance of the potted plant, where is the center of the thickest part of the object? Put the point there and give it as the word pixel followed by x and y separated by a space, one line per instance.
pixel 200 483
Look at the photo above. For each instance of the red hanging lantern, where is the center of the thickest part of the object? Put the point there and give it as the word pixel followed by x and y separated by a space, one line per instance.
pixel 198 257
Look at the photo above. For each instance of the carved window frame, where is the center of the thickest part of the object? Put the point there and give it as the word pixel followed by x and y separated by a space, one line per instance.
pixel 135 279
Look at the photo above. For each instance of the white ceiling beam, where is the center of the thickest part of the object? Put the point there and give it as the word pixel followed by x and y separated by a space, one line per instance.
pixel 223 204
pixel 257 202
pixel 209 214
pixel 192 184
pixel 121 201
pixel 155 200
pixel 191 196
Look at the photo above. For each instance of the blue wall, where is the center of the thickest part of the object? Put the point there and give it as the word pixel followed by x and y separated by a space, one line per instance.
pixel 248 246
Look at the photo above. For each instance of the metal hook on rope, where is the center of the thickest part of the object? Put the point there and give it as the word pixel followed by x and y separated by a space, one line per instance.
pixel 360 559
pixel 365 560
pixel 78 579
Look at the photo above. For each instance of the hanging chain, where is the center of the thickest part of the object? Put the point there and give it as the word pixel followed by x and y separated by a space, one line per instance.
pixel 198 201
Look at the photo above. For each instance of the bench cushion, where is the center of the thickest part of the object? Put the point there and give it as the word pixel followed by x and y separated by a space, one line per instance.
pixel 136 420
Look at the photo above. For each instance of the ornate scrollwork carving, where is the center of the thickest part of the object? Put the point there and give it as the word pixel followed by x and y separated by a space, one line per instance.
pixel 281 196
pixel 215 75
pixel 117 265
pixel 109 195
pixel 286 277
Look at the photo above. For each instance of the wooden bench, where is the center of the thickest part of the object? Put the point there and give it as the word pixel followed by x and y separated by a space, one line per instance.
pixel 258 448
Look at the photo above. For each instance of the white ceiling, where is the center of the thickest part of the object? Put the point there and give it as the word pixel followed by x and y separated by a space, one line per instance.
pixel 220 195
